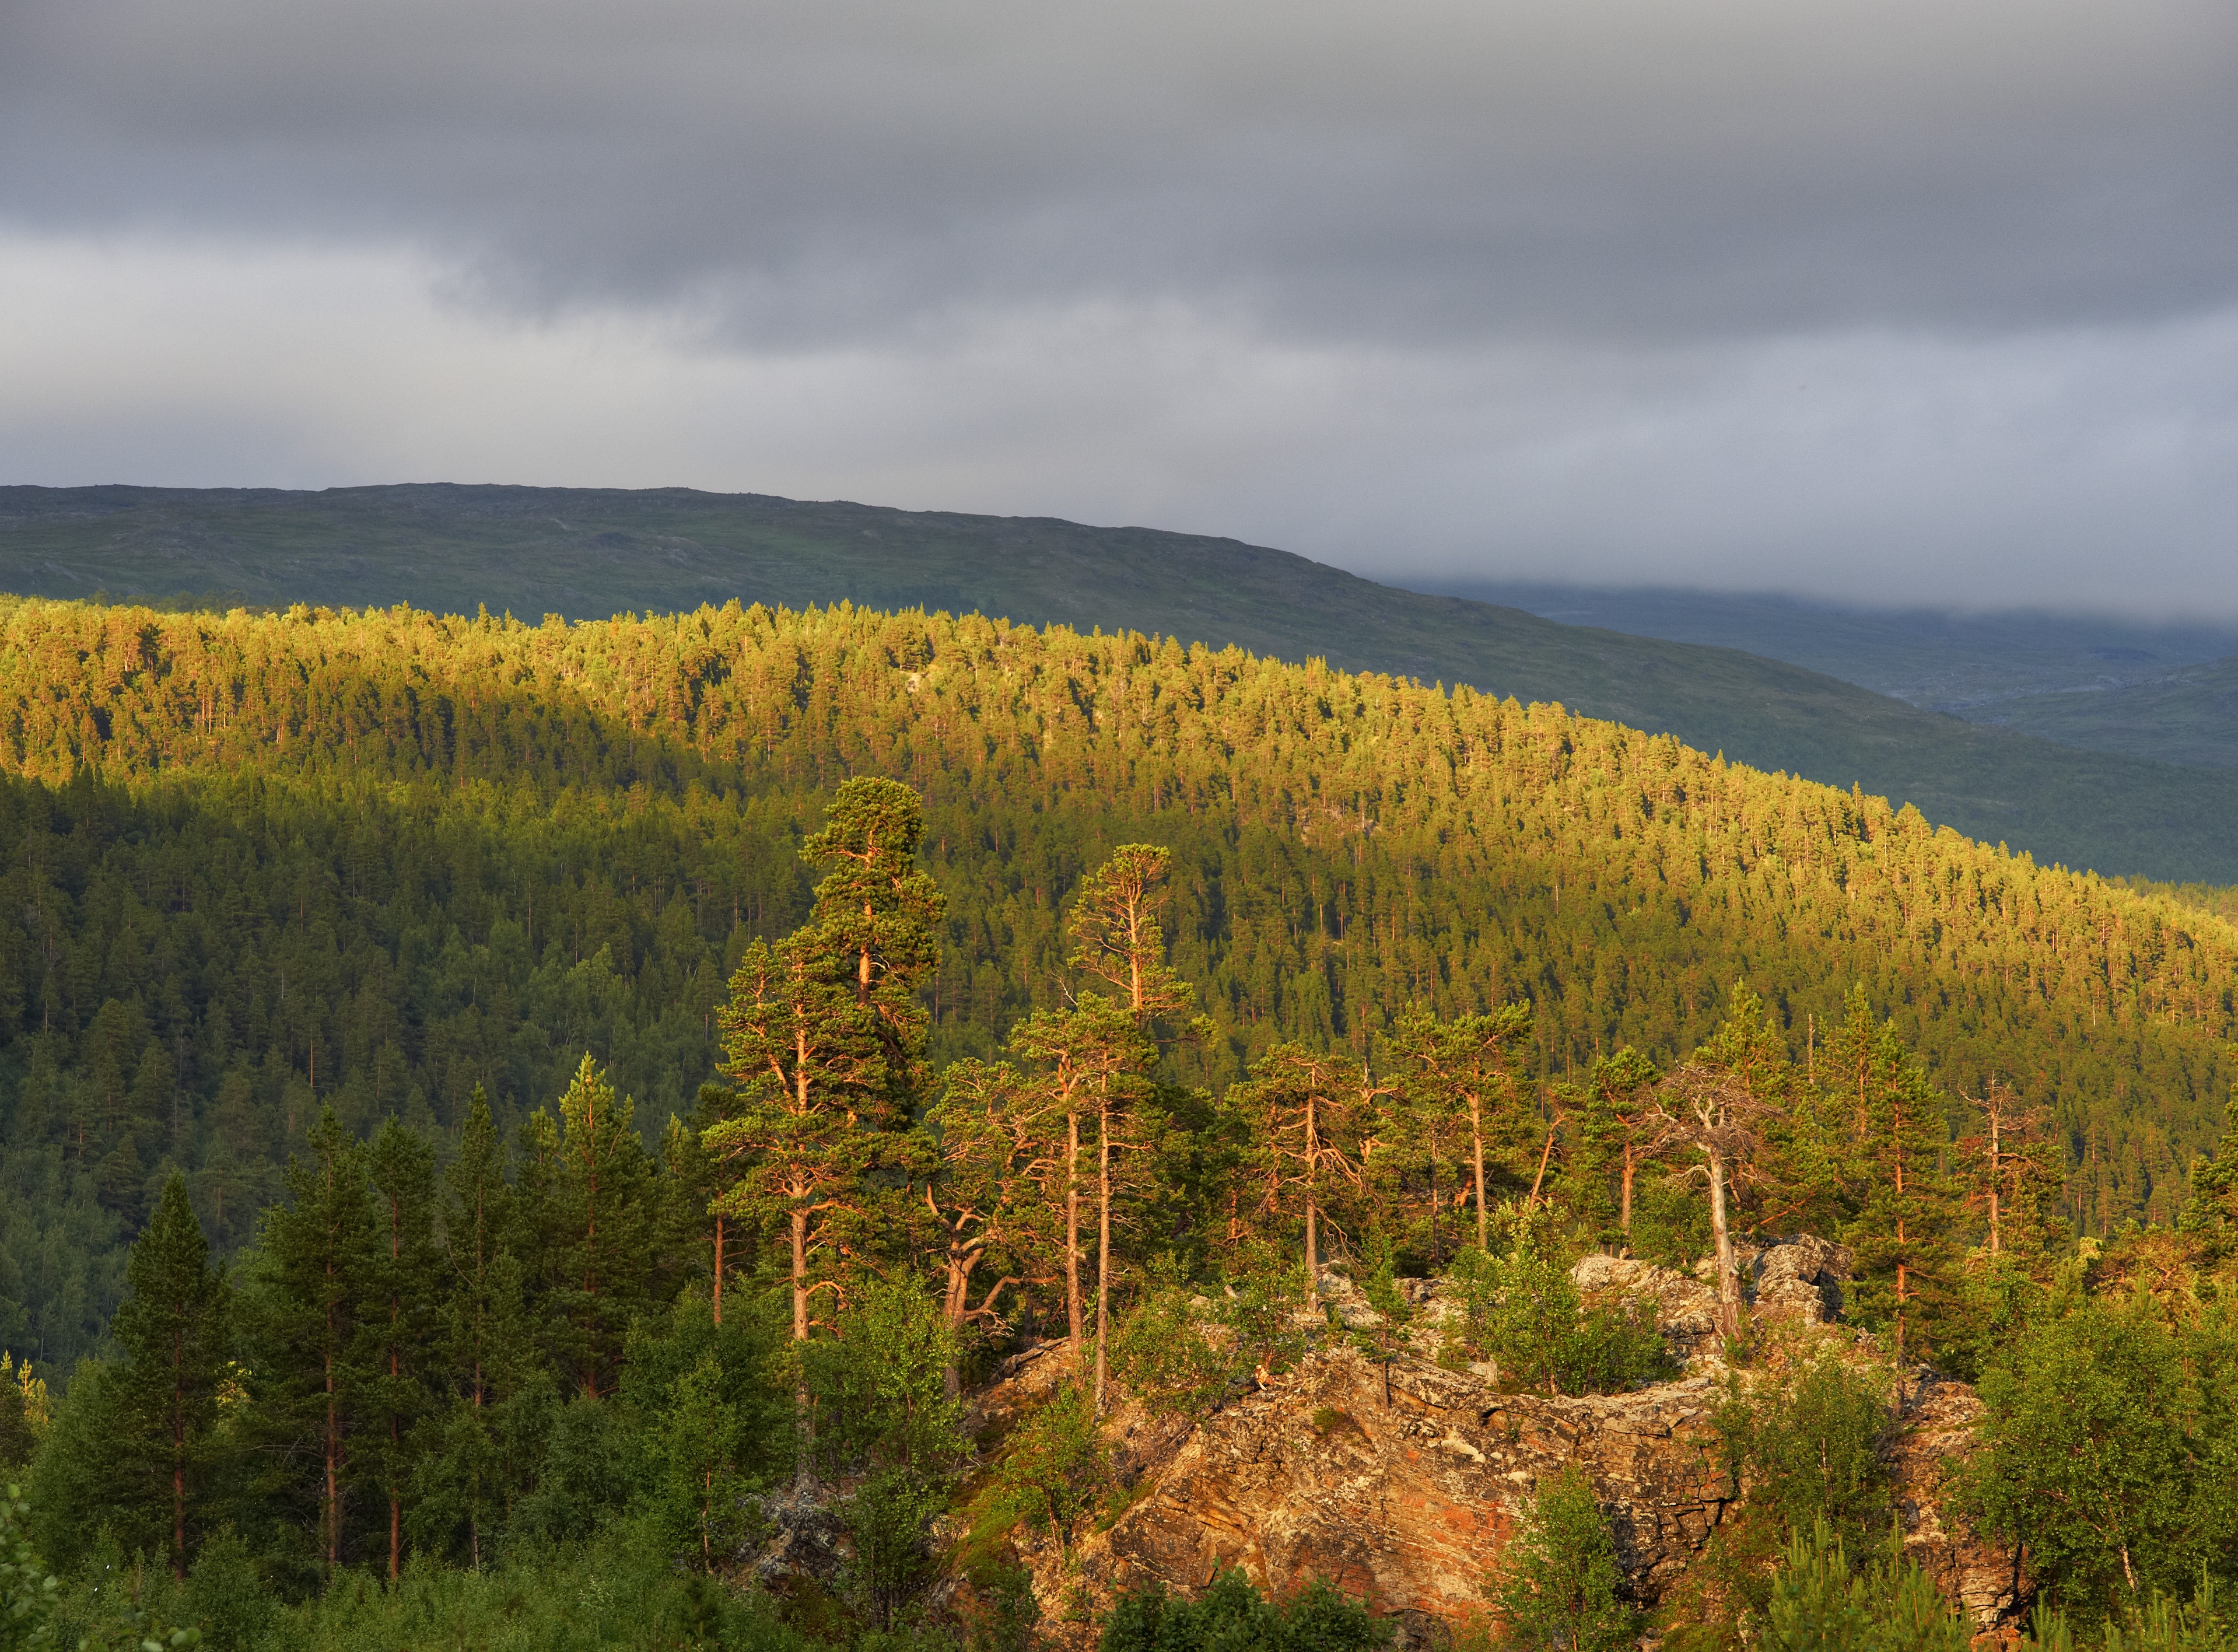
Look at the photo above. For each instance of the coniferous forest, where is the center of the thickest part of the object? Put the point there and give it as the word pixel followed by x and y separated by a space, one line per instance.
pixel 484 1103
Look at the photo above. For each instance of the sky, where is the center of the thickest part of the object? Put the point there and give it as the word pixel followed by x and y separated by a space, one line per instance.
pixel 1893 300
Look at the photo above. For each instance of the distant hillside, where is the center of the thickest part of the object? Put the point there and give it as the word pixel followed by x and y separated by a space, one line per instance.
pixel 586 552
pixel 2168 692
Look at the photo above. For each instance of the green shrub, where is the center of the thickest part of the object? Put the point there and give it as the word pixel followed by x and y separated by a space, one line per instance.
pixel 1054 1468
pixel 28 1591
pixel 1810 1448
pixel 1166 1355
pixel 1231 1616
pixel 888 1518
pixel 881 1383
pixel 1821 1603
pixel 1521 1310
pixel 1557 1588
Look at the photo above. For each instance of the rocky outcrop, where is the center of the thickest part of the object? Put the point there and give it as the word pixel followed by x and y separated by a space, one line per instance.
pixel 1935 1437
pixel 1404 1484
pixel 1785 1281
pixel 1405 1494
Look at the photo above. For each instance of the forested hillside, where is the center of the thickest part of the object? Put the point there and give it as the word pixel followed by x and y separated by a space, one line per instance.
pixel 257 866
pixel 590 552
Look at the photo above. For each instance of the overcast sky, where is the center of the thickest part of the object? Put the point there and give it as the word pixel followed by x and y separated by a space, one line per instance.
pixel 1912 300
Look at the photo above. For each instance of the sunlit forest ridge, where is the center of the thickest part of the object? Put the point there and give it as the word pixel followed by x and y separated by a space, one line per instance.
pixel 259 865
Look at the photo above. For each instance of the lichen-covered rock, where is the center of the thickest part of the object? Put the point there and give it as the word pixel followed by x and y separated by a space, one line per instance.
pixel 1799 1281
pixel 1935 1438
pixel 805 1535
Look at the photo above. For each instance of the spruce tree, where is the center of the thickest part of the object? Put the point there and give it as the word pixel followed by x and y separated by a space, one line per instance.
pixel 605 1226
pixel 403 1317
pixel 172 1327
pixel 483 1351
pixel 323 1313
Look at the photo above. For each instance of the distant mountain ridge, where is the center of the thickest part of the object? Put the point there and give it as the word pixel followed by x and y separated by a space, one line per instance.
pixel 2167 691
pixel 590 552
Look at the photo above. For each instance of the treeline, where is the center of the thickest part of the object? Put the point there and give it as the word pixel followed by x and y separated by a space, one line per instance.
pixel 254 866
pixel 573 1340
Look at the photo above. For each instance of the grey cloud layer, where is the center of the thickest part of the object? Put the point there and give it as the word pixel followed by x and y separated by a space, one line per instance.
pixel 1420 173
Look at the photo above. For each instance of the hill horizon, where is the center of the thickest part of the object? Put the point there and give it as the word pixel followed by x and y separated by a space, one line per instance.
pixel 593 553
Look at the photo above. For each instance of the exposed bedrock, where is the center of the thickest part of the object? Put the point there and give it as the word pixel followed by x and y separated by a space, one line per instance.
pixel 1405 1486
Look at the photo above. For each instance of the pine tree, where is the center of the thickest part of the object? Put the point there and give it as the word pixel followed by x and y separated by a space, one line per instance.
pixel 1117 938
pixel 2210 1209
pixel 172 1327
pixel 1308 1116
pixel 876 914
pixel 697 1183
pixel 979 1156
pixel 823 1037
pixel 799 1047
pixel 1708 1113
pixel 1905 1206
pixel 1088 1061
pixel 2011 1175
pixel 1468 1065
pixel 1618 1121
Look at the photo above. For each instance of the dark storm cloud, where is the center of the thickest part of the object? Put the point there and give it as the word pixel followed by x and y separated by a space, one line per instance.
pixel 1420 173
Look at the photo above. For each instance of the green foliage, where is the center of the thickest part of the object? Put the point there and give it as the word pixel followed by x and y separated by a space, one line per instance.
pixel 1383 1341
pixel 1522 1311
pixel 27 1590
pixel 163 1398
pixel 1821 1601
pixel 2111 1451
pixel 882 1381
pixel 888 1519
pixel 1558 1587
pixel 697 1493
pixel 608 918
pixel 16 1440
pixel 1002 1617
pixel 2161 1622
pixel 1260 1311
pixel 1230 1615
pixel 1054 1468
pixel 1808 1447
pixel 226 1597
pixel 607 1598
pixel 1165 1351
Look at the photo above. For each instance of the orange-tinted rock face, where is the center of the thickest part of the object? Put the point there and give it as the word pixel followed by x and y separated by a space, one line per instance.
pixel 1404 1487
pixel 1409 1502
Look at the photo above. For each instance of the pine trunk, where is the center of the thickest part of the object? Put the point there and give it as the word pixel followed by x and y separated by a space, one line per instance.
pixel 718 1271
pixel 1074 1317
pixel 1729 1278
pixel 1103 1253
pixel 1476 1139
